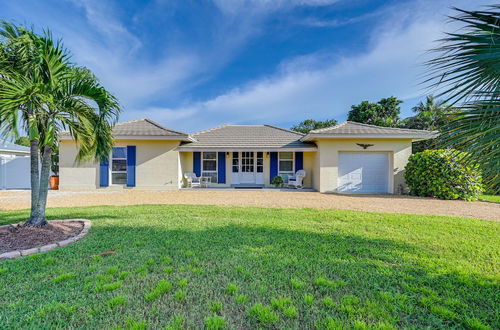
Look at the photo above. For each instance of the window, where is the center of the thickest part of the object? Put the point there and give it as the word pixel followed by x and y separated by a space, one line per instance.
pixel 236 162
pixel 209 165
pixel 247 162
pixel 260 162
pixel 285 165
pixel 119 165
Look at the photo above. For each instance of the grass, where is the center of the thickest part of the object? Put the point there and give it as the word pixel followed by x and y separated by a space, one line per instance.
pixel 490 198
pixel 178 267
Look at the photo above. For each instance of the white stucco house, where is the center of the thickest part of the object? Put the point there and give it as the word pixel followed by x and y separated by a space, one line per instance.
pixel 347 158
pixel 14 166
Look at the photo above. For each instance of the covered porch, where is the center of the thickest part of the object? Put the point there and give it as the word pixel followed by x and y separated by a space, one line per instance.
pixel 246 168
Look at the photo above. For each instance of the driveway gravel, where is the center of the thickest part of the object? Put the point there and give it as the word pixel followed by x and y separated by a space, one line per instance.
pixel 14 200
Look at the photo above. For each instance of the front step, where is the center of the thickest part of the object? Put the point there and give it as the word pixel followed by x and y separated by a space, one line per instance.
pixel 247 186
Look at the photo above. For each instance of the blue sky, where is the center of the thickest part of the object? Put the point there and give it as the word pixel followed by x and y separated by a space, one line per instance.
pixel 192 65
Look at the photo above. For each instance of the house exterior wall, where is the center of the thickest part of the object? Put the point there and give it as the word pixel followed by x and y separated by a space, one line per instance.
pixel 157 166
pixel 327 159
pixel 74 176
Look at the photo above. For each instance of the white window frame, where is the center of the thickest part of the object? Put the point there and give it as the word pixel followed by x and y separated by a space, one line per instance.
pixel 203 171
pixel 257 161
pixel 111 168
pixel 287 173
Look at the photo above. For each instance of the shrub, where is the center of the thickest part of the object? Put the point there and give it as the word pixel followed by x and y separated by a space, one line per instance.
pixel 277 181
pixel 445 174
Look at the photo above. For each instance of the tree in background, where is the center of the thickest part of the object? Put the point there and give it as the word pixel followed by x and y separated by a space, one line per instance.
pixel 432 116
pixel 382 113
pixel 42 91
pixel 466 70
pixel 310 124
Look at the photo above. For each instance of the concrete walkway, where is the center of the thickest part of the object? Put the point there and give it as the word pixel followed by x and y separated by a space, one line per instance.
pixel 13 200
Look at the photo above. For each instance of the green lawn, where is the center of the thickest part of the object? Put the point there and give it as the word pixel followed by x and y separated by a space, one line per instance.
pixel 203 266
pixel 490 198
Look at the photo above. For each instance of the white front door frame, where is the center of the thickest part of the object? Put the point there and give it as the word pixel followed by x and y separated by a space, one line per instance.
pixel 248 168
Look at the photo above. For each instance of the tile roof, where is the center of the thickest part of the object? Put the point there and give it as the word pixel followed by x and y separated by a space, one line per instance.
pixel 247 136
pixel 9 146
pixel 142 127
pixel 350 128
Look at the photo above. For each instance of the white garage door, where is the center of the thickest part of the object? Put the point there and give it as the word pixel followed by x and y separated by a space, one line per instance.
pixel 14 172
pixel 363 172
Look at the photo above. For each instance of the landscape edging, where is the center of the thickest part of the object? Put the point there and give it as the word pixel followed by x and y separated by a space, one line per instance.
pixel 44 248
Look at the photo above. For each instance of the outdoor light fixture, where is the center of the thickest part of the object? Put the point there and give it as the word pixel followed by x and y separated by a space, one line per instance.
pixel 365 146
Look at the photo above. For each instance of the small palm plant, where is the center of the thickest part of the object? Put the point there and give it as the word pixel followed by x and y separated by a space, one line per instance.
pixel 466 70
pixel 42 92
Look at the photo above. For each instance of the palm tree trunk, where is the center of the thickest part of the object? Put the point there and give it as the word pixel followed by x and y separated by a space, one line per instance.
pixel 39 219
pixel 35 178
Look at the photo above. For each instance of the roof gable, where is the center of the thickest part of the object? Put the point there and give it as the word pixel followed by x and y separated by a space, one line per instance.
pixel 353 129
pixel 142 128
pixel 247 137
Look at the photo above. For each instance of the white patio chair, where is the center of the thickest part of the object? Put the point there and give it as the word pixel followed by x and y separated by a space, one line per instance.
pixel 192 180
pixel 296 181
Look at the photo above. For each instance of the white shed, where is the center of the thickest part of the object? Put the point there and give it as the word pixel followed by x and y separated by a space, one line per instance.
pixel 14 166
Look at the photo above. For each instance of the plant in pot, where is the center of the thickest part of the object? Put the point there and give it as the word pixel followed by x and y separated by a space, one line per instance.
pixel 54 167
pixel 277 181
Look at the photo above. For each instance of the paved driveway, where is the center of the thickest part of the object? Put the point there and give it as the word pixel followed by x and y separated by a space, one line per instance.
pixel 11 200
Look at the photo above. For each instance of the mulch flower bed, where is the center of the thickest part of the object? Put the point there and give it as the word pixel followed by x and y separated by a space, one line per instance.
pixel 20 237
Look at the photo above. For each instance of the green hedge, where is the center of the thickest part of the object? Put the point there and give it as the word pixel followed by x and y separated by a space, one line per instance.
pixel 443 173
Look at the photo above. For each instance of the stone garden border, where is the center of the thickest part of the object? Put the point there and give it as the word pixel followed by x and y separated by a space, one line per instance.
pixel 21 253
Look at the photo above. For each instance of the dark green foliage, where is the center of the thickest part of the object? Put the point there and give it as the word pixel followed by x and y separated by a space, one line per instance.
pixel 432 115
pixel 465 70
pixel 443 173
pixel 382 113
pixel 277 181
pixel 310 124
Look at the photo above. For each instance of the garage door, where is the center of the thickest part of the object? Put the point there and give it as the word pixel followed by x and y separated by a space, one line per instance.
pixel 363 172
pixel 14 172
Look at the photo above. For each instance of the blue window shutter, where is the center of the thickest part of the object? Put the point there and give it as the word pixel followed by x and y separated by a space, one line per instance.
pixel 104 173
pixel 299 161
pixel 197 163
pixel 131 160
pixel 274 166
pixel 221 167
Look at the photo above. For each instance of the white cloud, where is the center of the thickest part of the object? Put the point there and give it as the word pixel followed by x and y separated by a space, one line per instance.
pixel 239 6
pixel 321 86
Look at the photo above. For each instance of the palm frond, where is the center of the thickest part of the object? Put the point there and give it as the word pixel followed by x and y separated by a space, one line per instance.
pixel 466 71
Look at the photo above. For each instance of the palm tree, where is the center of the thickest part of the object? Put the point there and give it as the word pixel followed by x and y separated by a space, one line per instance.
pixel 42 92
pixel 466 70
pixel 430 115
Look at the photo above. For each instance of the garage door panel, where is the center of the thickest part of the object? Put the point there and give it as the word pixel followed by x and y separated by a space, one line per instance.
pixel 363 172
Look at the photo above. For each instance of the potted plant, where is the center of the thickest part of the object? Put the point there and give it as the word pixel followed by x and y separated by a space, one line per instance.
pixel 277 181
pixel 54 178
